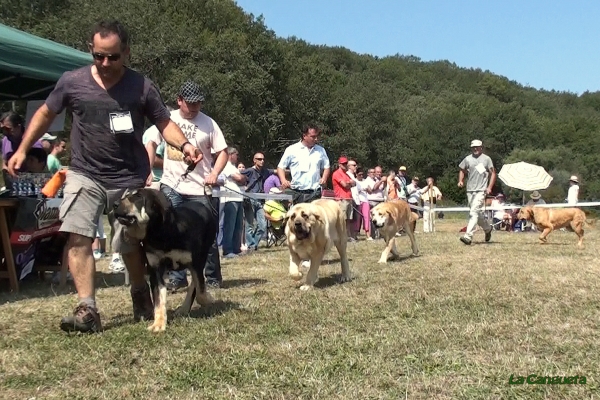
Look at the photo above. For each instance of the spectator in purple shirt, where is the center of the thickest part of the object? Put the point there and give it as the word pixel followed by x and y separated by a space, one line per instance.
pixel 271 182
pixel 13 127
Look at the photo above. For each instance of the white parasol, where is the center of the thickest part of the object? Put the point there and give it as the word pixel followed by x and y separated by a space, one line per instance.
pixel 525 176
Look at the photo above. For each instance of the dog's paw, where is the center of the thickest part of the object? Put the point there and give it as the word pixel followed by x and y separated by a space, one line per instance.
pixel 180 312
pixel 158 326
pixel 382 261
pixel 296 276
pixel 305 288
pixel 205 299
pixel 306 264
pixel 344 279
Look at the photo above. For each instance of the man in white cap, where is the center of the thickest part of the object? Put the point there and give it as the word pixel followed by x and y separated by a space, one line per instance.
pixel 481 174
pixel 47 140
pixel 573 193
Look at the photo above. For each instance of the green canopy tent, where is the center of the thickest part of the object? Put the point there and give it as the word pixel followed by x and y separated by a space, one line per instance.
pixel 31 65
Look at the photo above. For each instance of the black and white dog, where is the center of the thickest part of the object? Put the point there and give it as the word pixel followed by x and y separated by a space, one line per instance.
pixel 172 238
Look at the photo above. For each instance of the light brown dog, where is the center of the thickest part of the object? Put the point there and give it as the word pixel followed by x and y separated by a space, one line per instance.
pixel 311 230
pixel 549 219
pixel 391 217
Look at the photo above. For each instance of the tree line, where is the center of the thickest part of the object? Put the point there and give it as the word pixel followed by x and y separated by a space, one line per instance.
pixel 389 111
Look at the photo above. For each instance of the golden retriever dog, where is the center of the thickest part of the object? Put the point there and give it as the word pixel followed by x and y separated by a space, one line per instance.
pixel 549 219
pixel 312 229
pixel 391 217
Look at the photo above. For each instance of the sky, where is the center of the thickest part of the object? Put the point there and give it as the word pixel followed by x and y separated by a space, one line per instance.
pixel 551 44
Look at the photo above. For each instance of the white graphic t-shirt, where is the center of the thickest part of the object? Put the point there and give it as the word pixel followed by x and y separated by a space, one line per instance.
pixel 202 132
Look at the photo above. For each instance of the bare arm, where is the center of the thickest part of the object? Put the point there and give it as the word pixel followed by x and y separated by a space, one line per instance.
pixel 222 159
pixel 151 150
pixel 171 133
pixel 325 175
pixel 492 179
pixel 461 178
pixel 239 178
pixel 39 124
pixel 281 175
pixel 347 184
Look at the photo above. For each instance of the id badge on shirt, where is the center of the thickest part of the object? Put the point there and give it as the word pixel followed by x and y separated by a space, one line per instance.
pixel 120 122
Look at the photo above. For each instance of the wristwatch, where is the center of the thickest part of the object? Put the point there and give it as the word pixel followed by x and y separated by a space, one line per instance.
pixel 183 145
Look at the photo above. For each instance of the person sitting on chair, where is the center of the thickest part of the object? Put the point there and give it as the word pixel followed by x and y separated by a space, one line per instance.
pixel 275 210
pixel 536 199
pixel 501 218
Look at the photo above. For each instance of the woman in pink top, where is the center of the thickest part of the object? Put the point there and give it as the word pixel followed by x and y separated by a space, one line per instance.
pixel 362 187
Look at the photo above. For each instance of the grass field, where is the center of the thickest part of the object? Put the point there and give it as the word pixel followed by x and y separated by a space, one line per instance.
pixel 453 323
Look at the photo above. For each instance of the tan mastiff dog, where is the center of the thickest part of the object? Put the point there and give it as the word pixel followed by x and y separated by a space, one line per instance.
pixel 312 229
pixel 391 217
pixel 548 219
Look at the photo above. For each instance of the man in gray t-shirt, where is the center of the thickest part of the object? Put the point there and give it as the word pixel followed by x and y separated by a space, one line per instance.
pixel 109 103
pixel 481 178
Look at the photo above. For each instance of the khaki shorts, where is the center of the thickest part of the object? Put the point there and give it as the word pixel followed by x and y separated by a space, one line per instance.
pixel 346 206
pixel 84 201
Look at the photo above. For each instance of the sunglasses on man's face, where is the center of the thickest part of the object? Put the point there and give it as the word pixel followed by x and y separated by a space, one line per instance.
pixel 110 57
pixel 259 159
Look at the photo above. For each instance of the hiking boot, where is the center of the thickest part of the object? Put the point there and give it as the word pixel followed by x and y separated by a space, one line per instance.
pixel 488 235
pixel 174 286
pixel 213 284
pixel 143 308
pixel 465 240
pixel 84 319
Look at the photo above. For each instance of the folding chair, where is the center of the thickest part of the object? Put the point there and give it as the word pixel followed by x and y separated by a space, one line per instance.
pixel 275 236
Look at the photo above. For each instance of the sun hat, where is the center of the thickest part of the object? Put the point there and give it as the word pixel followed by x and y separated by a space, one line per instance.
pixel 535 195
pixel 573 178
pixel 48 136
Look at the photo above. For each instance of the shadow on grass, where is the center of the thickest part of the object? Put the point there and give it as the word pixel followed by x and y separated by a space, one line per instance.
pixel 33 287
pixel 331 280
pixel 219 307
pixel 242 283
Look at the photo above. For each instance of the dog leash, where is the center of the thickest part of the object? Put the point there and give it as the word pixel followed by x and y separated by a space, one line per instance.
pixel 207 188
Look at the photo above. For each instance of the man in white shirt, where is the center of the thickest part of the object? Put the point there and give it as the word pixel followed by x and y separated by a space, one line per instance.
pixel 430 195
pixel 573 194
pixel 414 194
pixel 479 170
pixel 233 210
pixel 204 133
pixel 305 160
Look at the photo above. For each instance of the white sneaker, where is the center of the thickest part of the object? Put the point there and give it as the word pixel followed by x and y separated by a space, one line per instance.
pixel 116 265
pixel 98 254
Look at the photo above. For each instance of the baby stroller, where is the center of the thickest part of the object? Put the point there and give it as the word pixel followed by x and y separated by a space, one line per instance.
pixel 275 214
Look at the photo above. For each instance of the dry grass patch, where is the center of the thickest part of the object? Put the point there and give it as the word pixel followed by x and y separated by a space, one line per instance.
pixel 455 322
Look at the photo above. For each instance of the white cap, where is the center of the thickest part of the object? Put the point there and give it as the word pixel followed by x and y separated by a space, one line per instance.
pixel 476 143
pixel 48 136
pixel 574 179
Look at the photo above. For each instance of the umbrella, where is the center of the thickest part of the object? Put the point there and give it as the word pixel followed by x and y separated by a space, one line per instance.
pixel 525 176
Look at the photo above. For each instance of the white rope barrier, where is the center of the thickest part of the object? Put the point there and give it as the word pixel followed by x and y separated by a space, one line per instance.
pixel 497 208
pixel 223 192
pixel 513 207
